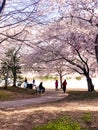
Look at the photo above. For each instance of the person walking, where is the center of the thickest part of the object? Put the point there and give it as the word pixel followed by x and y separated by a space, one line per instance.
pixel 56 84
pixel 64 85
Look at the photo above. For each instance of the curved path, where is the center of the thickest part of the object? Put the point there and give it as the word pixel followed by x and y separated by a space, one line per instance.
pixel 50 95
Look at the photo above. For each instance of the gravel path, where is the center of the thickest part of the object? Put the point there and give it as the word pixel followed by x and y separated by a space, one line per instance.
pixel 51 95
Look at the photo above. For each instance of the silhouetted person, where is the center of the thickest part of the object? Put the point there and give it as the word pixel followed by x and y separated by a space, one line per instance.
pixel 56 84
pixel 64 85
pixel 41 88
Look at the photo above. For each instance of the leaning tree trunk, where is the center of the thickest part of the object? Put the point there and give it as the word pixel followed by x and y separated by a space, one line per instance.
pixel 90 84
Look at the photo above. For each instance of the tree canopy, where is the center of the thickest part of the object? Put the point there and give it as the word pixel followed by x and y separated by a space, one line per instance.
pixel 52 31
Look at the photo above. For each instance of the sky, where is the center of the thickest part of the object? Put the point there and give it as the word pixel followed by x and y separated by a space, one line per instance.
pixel 20 10
pixel 47 10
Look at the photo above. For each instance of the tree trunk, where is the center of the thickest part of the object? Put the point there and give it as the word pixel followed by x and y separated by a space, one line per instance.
pixel 6 80
pixel 2 6
pixel 90 84
pixel 60 81
pixel 14 81
pixel 96 47
pixel 14 77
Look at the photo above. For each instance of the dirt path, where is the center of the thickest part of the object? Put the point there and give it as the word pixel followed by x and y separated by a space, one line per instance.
pixel 28 117
pixel 49 96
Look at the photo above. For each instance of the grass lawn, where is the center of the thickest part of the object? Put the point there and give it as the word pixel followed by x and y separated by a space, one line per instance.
pixel 64 123
pixel 13 93
pixel 80 120
pixel 54 115
pixel 84 121
pixel 81 95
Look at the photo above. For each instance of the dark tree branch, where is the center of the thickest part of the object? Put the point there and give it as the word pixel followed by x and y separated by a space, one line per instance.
pixel 2 6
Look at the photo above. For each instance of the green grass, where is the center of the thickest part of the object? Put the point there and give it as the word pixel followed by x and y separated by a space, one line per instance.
pixel 68 123
pixel 13 93
pixel 4 95
pixel 78 78
pixel 83 122
pixel 47 77
pixel 87 118
pixel 81 95
pixel 64 123
pixel 19 90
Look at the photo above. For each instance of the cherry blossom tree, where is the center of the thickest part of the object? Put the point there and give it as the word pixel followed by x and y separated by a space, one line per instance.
pixel 84 13
pixel 11 65
pixel 72 43
pixel 16 16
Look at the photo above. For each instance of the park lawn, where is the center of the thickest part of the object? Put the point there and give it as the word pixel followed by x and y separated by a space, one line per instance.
pixel 57 115
pixel 64 123
pixel 79 120
pixel 71 121
pixel 13 93
pixel 81 95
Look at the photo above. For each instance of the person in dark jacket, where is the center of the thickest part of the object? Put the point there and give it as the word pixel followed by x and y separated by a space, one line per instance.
pixel 64 85
pixel 41 88
pixel 56 84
